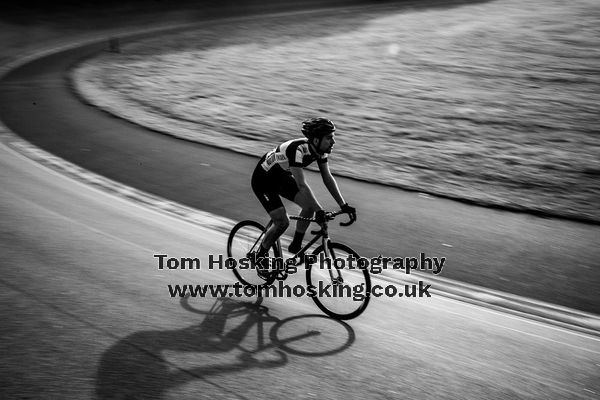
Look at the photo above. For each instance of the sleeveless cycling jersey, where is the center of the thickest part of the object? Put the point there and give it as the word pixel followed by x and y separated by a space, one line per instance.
pixel 293 153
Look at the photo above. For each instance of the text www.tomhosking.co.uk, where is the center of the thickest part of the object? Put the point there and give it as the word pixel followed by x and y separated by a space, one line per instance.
pixel 375 265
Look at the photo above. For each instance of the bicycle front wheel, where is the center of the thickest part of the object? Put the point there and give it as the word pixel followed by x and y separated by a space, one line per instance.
pixel 339 290
pixel 244 238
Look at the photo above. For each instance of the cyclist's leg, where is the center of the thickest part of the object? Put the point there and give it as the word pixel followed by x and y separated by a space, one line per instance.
pixel 266 188
pixel 281 222
pixel 308 211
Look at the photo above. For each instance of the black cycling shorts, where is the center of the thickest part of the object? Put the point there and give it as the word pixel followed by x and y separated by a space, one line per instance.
pixel 268 186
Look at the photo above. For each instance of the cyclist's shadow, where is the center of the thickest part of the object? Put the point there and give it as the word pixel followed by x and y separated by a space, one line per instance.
pixel 135 366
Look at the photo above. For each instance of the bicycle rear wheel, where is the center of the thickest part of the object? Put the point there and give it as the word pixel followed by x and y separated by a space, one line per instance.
pixel 342 293
pixel 244 238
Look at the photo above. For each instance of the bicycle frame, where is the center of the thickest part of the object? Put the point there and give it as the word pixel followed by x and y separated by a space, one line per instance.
pixel 322 234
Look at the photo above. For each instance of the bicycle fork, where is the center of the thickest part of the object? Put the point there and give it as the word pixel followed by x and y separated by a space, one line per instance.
pixel 334 273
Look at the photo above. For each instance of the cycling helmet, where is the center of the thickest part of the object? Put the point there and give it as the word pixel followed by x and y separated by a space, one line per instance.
pixel 317 127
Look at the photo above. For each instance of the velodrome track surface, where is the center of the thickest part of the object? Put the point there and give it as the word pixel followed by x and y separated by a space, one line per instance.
pixel 87 314
pixel 515 253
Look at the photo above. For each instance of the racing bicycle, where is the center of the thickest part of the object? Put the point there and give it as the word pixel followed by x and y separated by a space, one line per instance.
pixel 339 288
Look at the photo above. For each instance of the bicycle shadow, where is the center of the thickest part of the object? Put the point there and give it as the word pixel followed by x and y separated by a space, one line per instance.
pixel 135 366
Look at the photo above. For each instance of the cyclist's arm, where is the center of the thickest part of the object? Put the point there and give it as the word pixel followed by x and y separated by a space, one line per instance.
pixel 303 187
pixel 330 183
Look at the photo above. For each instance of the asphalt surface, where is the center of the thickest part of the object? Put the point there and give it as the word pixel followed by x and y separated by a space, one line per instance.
pixel 87 314
pixel 546 259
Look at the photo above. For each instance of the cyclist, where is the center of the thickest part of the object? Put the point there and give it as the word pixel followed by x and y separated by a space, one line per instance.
pixel 280 173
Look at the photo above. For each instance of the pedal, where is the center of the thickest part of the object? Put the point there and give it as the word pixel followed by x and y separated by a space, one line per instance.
pixel 281 275
pixel 337 281
pixel 297 260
